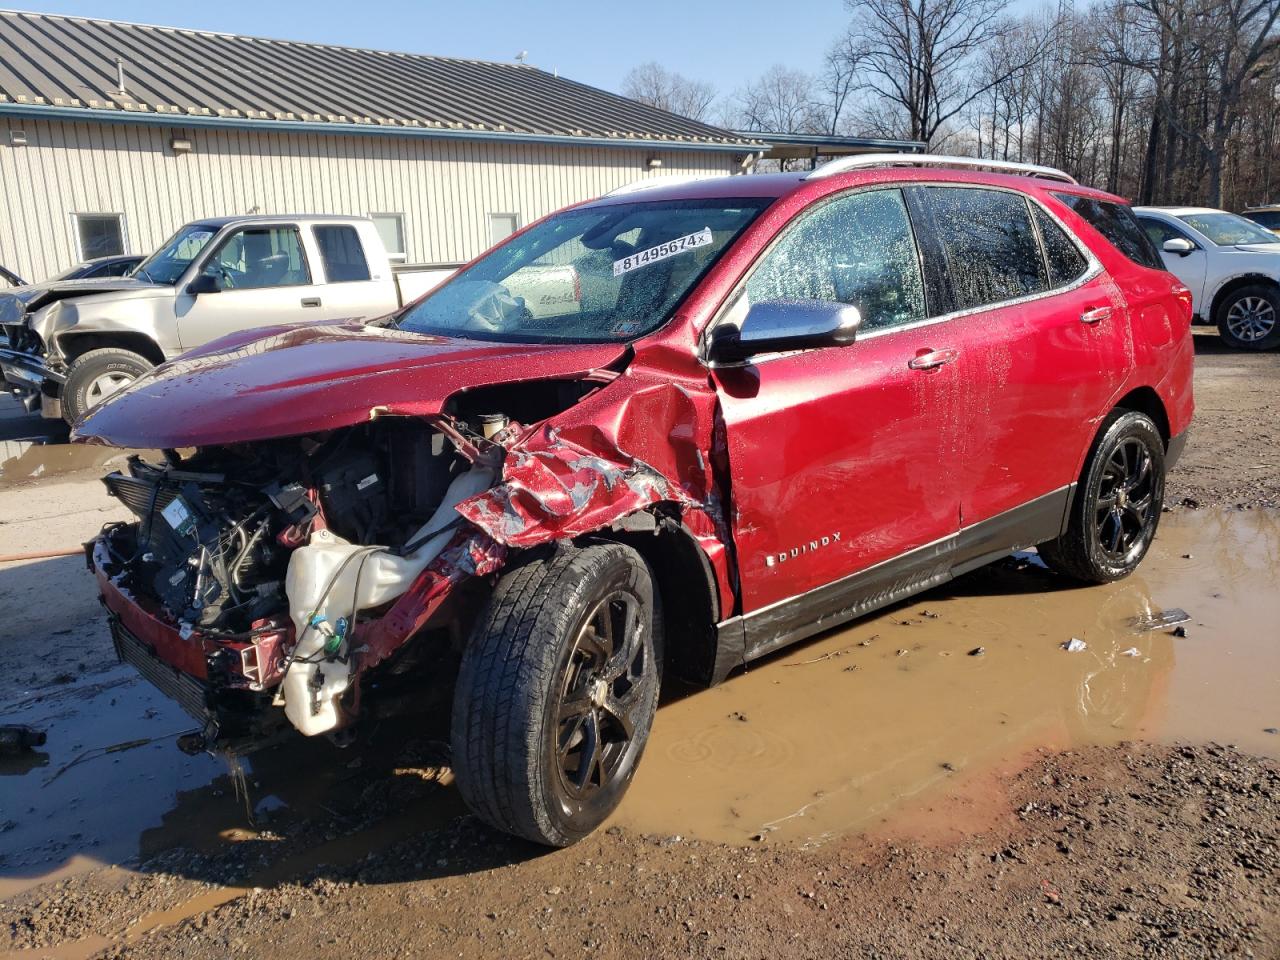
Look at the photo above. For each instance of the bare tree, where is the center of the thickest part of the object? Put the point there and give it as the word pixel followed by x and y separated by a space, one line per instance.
pixel 780 101
pixel 919 55
pixel 665 89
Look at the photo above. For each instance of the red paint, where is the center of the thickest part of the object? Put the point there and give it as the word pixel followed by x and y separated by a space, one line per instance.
pixel 835 459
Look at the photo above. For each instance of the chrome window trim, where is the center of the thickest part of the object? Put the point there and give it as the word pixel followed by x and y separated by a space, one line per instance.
pixel 1093 269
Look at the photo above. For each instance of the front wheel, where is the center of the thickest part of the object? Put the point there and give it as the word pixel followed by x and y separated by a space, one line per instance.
pixel 1117 504
pixel 96 375
pixel 557 692
pixel 1249 318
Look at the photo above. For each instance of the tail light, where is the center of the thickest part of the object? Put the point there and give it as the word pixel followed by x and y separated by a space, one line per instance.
pixel 1182 294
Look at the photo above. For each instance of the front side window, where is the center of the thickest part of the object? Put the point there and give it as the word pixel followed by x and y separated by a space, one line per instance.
pixel 859 250
pixel 604 273
pixel 991 248
pixel 1065 261
pixel 1228 229
pixel 99 234
pixel 170 262
pixel 1118 225
pixel 1158 231
pixel 258 257
pixel 342 254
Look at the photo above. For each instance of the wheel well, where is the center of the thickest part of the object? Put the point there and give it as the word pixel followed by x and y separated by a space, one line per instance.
pixel 1146 400
pixel 77 345
pixel 1248 280
pixel 690 599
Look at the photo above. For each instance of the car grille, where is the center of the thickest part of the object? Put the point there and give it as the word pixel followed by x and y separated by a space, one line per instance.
pixel 174 684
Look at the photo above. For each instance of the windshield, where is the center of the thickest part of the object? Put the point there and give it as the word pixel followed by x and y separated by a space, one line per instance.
pixel 1227 229
pixel 596 274
pixel 168 263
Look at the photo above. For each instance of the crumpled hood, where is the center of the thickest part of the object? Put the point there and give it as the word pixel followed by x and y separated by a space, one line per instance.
pixel 286 381
pixel 15 303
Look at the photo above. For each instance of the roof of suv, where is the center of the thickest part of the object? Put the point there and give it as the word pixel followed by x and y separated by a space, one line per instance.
pixel 1177 211
pixel 777 185
pixel 276 218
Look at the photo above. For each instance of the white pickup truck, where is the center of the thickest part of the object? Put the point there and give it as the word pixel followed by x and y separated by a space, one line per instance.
pixel 67 346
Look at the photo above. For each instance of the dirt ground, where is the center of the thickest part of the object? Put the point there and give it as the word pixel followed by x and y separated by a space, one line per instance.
pixel 1018 802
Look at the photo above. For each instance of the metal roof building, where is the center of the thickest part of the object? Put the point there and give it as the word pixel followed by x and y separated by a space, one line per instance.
pixel 114 134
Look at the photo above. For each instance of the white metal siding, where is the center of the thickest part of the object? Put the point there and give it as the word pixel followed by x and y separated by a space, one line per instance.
pixel 445 188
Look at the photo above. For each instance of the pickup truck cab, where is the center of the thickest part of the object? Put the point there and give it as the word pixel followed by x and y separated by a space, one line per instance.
pixel 68 345
pixel 779 402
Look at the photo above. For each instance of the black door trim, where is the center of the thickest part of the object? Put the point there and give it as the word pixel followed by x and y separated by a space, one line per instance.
pixel 748 636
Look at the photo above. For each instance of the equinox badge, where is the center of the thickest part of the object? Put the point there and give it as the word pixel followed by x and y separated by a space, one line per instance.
pixel 773 559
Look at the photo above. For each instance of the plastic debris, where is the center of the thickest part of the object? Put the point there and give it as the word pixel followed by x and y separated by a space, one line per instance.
pixel 1157 621
pixel 977 651
pixel 1075 645
pixel 1131 652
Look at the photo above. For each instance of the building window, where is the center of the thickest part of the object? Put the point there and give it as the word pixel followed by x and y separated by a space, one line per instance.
pixel 391 230
pixel 99 235
pixel 502 225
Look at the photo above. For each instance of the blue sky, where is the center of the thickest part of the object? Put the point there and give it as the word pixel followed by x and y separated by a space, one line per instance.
pixel 722 42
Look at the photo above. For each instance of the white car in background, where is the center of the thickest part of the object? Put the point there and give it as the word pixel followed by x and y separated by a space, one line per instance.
pixel 1231 265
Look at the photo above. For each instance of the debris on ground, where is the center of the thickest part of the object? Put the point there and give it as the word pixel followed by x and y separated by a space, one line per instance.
pixel 1158 621
pixel 1075 645
pixel 18 738
pixel 1131 652
pixel 977 651
pixel 1179 631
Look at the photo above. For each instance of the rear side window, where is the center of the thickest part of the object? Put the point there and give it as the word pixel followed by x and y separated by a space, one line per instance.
pixel 857 249
pixel 1265 218
pixel 991 248
pixel 1118 224
pixel 342 254
pixel 1066 262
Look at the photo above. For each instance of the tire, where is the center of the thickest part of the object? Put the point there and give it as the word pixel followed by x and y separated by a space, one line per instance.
pixel 1117 505
pixel 1249 318
pixel 538 686
pixel 91 374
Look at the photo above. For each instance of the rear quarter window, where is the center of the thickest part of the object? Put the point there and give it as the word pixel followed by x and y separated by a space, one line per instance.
pixel 1118 225
pixel 990 245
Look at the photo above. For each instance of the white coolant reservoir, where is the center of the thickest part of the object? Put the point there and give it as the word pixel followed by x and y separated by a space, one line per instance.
pixel 326 577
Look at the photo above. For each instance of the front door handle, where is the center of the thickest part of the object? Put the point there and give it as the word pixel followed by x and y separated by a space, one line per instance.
pixel 932 359
pixel 1095 315
pixel 311 301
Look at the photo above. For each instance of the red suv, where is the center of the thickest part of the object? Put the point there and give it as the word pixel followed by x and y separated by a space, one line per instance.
pixel 757 407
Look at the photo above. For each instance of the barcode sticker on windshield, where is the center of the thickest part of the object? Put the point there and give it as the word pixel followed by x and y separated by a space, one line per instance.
pixel 663 250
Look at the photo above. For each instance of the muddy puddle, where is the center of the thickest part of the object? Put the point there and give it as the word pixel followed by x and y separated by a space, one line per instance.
pixel 839 734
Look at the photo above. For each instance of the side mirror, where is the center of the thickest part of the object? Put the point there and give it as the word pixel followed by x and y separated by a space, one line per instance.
pixel 1179 245
pixel 204 283
pixel 778 325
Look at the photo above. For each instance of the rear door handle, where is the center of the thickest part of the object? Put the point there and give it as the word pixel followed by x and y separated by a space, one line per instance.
pixel 1095 315
pixel 932 359
pixel 311 301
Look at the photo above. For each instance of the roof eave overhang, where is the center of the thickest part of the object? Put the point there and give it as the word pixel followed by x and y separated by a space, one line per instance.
pixel 187 121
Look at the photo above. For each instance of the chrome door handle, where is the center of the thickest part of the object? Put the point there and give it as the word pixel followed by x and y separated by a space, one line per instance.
pixel 932 359
pixel 311 301
pixel 1095 315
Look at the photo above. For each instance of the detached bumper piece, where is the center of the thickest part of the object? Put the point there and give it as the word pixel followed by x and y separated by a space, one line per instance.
pixel 20 367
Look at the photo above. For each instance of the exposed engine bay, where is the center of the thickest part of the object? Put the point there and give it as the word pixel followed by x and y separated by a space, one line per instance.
pixel 269 554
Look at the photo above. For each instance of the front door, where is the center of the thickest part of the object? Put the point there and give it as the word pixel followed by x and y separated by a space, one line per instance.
pixel 263 279
pixel 841 458
pixel 1190 267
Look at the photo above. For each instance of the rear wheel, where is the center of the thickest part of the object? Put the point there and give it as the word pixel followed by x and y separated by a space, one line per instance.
pixel 1249 318
pixel 1117 505
pixel 96 375
pixel 557 692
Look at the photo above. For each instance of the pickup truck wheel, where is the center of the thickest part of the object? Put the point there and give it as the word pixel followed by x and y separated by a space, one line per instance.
pixel 94 376
pixel 1249 318
pixel 557 692
pixel 1117 504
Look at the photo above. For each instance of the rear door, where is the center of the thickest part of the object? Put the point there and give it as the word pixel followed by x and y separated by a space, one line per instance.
pixel 841 459
pixel 264 278
pixel 1041 334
